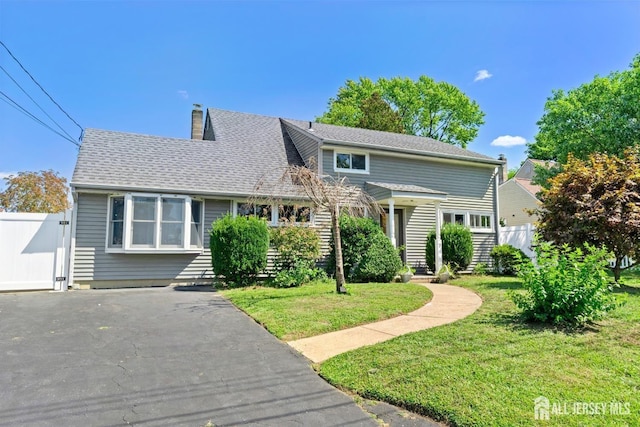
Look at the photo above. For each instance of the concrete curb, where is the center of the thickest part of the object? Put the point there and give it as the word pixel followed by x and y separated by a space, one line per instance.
pixel 449 303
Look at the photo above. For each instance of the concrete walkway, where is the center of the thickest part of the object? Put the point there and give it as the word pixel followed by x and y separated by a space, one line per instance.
pixel 449 303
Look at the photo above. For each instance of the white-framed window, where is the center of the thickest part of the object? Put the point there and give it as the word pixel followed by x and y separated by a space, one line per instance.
pixel 478 222
pixel 276 214
pixel 454 217
pixel 148 223
pixel 294 214
pixel 350 161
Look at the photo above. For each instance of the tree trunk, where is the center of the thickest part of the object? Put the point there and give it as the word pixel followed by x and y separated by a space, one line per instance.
pixel 337 243
pixel 616 270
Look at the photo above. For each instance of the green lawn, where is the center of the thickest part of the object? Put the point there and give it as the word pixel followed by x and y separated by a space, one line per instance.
pixel 316 308
pixel 487 369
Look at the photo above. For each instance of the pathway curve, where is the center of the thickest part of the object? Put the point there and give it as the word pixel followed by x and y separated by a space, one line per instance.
pixel 449 303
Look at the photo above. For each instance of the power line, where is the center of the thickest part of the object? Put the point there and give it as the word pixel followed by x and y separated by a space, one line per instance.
pixel 24 111
pixel 34 101
pixel 41 88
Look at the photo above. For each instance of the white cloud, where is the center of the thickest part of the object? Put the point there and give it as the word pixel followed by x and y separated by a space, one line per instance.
pixel 4 175
pixel 508 141
pixel 184 94
pixel 482 75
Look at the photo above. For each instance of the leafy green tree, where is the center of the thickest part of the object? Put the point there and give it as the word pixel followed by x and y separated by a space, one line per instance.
pixel 378 115
pixel 427 108
pixel 602 116
pixel 40 192
pixel 596 201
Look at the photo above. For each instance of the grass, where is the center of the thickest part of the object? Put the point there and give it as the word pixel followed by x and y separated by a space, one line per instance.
pixel 487 369
pixel 316 308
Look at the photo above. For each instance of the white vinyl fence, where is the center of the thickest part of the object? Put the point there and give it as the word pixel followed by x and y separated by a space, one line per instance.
pixel 519 236
pixel 34 251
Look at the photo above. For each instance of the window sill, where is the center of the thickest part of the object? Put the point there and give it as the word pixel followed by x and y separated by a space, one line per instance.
pixel 356 171
pixel 154 251
pixel 481 231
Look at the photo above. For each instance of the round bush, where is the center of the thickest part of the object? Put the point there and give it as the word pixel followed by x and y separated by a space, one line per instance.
pixel 457 247
pixel 508 259
pixel 296 247
pixel 239 248
pixel 367 253
pixel 356 234
pixel 379 263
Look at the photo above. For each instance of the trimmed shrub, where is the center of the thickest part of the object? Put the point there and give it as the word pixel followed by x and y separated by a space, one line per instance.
pixel 355 233
pixel 457 247
pixel 239 248
pixel 297 249
pixel 379 263
pixel 508 259
pixel 568 287
pixel 295 246
pixel 363 241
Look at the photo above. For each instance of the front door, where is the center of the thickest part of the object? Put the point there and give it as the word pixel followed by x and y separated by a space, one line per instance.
pixel 398 220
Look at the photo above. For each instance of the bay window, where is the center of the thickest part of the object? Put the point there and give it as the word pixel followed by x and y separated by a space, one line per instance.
pixel 154 223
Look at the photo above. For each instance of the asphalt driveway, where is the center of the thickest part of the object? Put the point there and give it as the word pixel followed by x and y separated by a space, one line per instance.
pixel 153 357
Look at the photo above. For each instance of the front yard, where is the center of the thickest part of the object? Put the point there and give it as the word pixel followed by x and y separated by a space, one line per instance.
pixel 316 308
pixel 489 368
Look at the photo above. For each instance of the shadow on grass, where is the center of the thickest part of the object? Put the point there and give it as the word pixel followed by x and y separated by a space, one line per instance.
pixel 516 322
pixel 626 289
pixel 505 285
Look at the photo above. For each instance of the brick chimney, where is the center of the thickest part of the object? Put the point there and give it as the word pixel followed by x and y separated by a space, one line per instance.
pixel 196 122
pixel 504 170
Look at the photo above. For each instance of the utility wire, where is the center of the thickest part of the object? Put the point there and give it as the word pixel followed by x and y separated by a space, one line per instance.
pixel 41 88
pixel 18 107
pixel 34 101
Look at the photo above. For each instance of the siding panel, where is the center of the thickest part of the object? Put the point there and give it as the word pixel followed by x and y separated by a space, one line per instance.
pixel 468 188
pixel 306 146
pixel 91 262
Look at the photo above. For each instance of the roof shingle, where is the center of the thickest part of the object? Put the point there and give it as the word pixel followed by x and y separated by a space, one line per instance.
pixel 248 149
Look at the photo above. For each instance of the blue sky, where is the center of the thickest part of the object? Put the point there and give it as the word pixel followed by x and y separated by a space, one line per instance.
pixel 139 66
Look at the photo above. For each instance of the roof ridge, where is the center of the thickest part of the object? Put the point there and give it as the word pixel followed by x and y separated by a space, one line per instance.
pixel 137 134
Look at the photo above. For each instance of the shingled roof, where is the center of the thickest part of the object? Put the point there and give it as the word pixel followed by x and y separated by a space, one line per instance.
pixel 388 141
pixel 248 148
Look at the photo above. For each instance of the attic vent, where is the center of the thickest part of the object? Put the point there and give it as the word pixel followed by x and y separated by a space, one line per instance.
pixel 310 127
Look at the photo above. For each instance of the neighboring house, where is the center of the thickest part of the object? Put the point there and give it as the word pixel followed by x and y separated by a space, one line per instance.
pixel 143 204
pixel 518 195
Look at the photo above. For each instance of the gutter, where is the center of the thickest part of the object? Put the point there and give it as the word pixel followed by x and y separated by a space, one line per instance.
pixel 101 188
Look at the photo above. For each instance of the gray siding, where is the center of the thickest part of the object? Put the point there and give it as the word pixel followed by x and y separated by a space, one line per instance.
pixel 306 146
pixel 468 188
pixel 92 263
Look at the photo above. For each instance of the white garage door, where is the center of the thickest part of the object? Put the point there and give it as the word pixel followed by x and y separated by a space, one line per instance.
pixel 34 251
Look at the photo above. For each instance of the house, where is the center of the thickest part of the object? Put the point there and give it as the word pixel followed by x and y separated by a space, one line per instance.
pixel 143 204
pixel 518 195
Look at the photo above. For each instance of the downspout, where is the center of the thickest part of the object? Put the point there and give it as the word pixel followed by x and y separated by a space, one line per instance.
pixel 496 207
pixel 72 247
